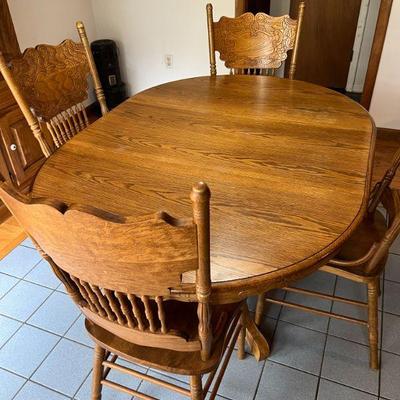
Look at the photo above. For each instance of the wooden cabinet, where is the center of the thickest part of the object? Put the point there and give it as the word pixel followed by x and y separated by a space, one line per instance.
pixel 19 149
pixel 20 154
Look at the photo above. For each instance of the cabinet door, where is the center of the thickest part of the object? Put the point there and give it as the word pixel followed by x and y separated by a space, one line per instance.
pixel 10 48
pixel 326 41
pixel 22 151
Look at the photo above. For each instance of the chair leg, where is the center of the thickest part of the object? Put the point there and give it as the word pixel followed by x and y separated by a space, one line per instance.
pixel 241 342
pixel 373 287
pixel 196 390
pixel 259 309
pixel 99 355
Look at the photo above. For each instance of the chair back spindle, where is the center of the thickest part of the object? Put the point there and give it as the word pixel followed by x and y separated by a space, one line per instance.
pixel 24 106
pixel 93 70
pixel 380 187
pixel 390 199
pixel 126 273
pixel 200 197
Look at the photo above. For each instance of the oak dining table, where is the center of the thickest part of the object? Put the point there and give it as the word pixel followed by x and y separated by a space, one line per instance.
pixel 288 164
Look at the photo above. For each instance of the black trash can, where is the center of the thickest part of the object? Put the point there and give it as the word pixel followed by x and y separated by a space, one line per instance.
pixel 105 54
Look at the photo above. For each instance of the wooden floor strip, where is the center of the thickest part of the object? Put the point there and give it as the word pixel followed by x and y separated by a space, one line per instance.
pixel 11 235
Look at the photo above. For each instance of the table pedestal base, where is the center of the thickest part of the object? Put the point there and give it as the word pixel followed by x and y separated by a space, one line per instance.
pixel 259 346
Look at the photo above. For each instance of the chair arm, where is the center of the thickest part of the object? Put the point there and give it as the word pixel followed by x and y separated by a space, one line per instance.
pixel 355 263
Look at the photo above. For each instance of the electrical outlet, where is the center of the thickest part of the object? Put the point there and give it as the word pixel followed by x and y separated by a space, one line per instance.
pixel 169 60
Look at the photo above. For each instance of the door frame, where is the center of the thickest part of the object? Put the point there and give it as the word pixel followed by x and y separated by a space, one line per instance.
pixel 240 7
pixel 8 38
pixel 362 25
pixel 376 51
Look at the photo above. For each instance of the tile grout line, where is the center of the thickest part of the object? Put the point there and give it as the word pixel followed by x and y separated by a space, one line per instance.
pixel 178 381
pixel 277 320
pixel 23 322
pixel 50 352
pixel 52 291
pixel 27 281
pixel 58 341
pixel 14 373
pixel 25 245
pixel 324 378
pixel 47 331
pixel 327 335
pixel 72 340
pixel 140 384
pixel 390 313
pixel 19 390
pixel 324 333
pixel 333 335
pixel 12 287
pixel 43 386
pixel 40 305
pixel 19 279
pixel 391 280
pixel 293 368
pixel 29 379
pixel 22 278
pixel 80 386
pixel 326 341
pixel 351 387
pixel 83 382
pixel 60 337
pixel 270 343
pixel 381 339
pixel 43 286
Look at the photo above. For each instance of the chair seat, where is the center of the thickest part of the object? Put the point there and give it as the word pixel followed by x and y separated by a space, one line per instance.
pixel 371 230
pixel 179 362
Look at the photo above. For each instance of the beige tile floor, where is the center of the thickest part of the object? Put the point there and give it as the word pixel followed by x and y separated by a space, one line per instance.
pixel 46 355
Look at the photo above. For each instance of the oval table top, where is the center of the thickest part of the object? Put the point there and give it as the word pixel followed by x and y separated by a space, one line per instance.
pixel 288 164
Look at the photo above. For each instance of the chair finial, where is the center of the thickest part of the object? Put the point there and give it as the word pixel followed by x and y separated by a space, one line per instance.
pixel 200 192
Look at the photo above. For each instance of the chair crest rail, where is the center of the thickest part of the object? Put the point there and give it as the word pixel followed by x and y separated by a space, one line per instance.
pixel 254 44
pixel 50 85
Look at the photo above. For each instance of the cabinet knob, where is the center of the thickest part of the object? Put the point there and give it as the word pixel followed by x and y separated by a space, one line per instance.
pixel 13 147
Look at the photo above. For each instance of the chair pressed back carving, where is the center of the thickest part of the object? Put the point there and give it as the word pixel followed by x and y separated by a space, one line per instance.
pixel 361 259
pixel 126 275
pixel 50 85
pixel 254 44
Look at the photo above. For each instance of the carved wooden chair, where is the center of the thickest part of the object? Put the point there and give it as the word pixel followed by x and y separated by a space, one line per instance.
pixel 50 84
pixel 254 44
pixel 143 285
pixel 361 259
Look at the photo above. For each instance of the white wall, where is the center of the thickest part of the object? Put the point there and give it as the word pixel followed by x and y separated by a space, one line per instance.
pixel 145 31
pixel 385 105
pixel 50 21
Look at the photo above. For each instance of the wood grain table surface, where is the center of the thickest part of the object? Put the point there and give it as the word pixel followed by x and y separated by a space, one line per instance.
pixel 288 164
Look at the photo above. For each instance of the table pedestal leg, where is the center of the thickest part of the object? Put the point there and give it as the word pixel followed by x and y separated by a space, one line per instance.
pixel 259 346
